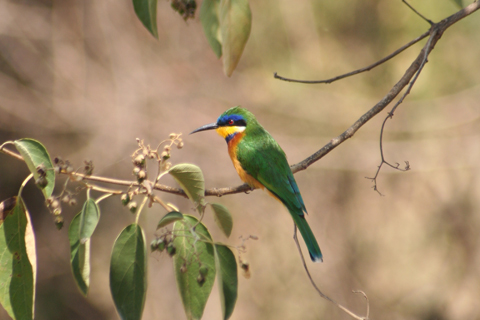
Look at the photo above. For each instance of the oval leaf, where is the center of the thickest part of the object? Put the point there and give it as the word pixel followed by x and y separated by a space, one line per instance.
pixel 170 217
pixel 192 255
pixel 146 11
pixel 227 278
pixel 17 276
pixel 128 272
pixel 79 255
pixel 190 179
pixel 235 26
pixel 211 24
pixel 35 154
pixel 88 220
pixel 223 218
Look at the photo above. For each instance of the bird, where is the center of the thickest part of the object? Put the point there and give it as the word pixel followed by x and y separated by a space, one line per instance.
pixel 262 164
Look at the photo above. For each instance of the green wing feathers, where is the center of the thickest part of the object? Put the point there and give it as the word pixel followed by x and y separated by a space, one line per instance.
pixel 265 161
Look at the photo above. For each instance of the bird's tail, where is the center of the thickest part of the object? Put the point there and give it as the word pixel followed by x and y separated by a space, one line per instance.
pixel 308 237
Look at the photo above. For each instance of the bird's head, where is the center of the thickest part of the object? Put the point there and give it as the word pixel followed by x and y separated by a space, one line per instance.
pixel 231 122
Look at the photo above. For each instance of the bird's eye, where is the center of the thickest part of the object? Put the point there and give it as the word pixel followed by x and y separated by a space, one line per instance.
pixel 230 122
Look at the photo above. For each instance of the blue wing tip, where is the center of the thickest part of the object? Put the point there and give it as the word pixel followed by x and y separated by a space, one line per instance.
pixel 316 259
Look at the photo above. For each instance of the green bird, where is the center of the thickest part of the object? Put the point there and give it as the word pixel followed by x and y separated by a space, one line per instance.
pixel 261 163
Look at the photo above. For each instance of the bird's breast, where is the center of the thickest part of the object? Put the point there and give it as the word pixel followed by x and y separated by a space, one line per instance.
pixel 244 175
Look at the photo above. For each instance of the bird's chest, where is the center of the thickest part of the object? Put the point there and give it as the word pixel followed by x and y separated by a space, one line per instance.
pixel 233 149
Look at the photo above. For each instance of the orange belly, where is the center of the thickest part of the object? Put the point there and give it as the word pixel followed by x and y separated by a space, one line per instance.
pixel 232 151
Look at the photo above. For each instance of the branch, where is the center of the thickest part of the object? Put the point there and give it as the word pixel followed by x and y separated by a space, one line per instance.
pixel 323 295
pixel 352 73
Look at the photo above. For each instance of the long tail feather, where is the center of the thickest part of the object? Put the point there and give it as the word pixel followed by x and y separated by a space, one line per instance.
pixel 308 237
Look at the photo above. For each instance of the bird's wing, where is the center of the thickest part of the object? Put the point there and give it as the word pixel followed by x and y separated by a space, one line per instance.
pixel 267 163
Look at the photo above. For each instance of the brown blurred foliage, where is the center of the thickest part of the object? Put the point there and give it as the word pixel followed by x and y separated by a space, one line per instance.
pixel 85 78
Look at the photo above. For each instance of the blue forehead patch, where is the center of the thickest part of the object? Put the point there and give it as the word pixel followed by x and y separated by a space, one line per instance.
pixel 223 119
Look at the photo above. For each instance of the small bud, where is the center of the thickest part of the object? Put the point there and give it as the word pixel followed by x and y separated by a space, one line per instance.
pixel 55 204
pixel 139 160
pixel 161 244
pixel 72 202
pixel 41 182
pixel 88 169
pixel 142 174
pixel 167 148
pixel 132 206
pixel 165 155
pixel 153 245
pixel 136 170
pixel 41 170
pixel 57 211
pixel 59 222
pixel 180 145
pixel 173 135
pixel 171 249
pixel 69 169
pixel 125 199
pixel 66 198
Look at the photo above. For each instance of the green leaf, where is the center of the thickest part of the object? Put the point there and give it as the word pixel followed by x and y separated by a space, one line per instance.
pixel 146 11
pixel 192 255
pixel 235 26
pixel 223 218
pixel 190 179
pixel 227 278
pixel 170 217
pixel 88 220
pixel 35 154
pixel 17 273
pixel 128 272
pixel 79 255
pixel 211 24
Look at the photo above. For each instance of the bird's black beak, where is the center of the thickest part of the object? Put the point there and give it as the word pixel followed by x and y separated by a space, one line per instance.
pixel 205 127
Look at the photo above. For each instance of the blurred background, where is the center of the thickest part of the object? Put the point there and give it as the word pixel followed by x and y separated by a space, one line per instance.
pixel 86 79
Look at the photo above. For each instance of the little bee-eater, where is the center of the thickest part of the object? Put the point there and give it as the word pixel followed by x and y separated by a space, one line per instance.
pixel 261 163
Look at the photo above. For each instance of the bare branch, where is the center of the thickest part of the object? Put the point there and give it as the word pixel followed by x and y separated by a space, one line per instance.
pixel 418 13
pixel 323 295
pixel 352 73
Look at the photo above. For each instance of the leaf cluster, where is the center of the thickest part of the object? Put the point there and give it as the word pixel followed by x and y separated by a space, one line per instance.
pixel 197 259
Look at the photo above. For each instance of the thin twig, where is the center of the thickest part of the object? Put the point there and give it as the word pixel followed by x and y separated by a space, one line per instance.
pixel 323 295
pixel 427 49
pixel 418 13
pixel 352 73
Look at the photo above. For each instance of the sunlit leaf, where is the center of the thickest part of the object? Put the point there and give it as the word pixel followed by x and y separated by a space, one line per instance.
pixel 79 255
pixel 128 272
pixel 235 25
pixel 223 218
pixel 146 11
pixel 226 278
pixel 88 219
pixel 170 217
pixel 17 273
pixel 190 178
pixel 211 25
pixel 35 155
pixel 194 265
